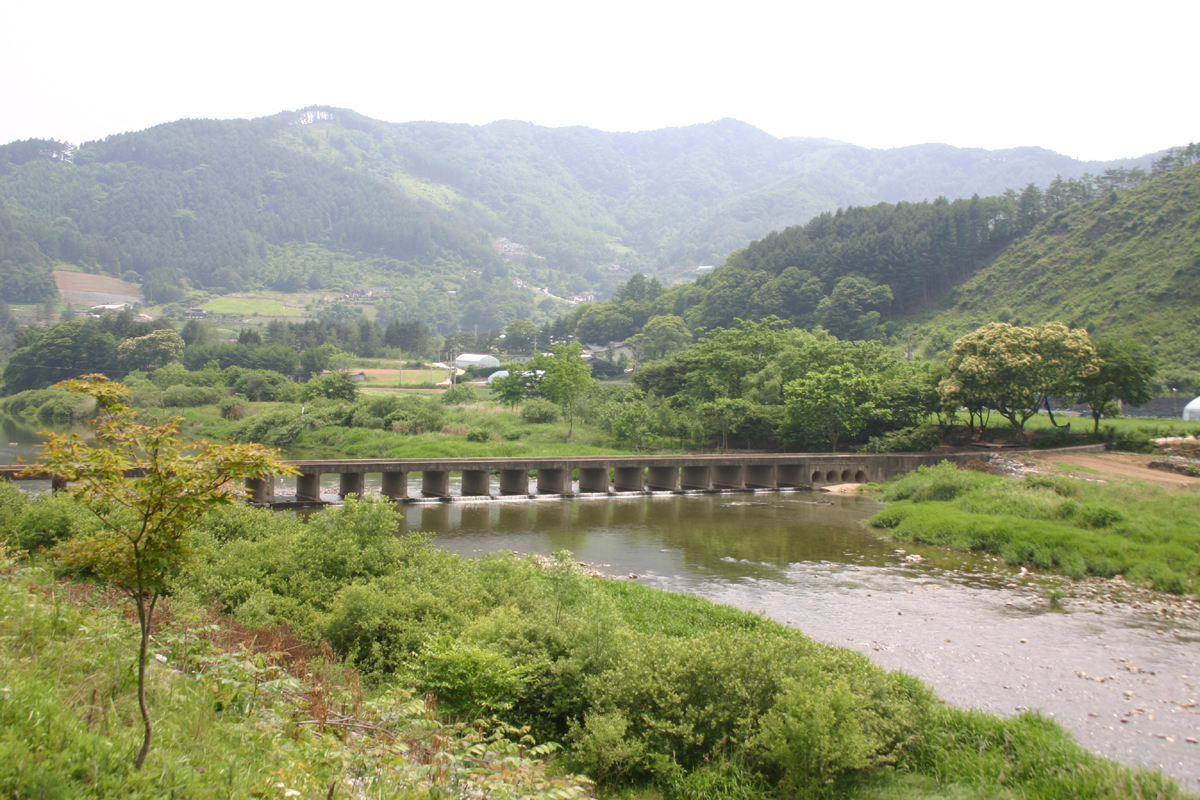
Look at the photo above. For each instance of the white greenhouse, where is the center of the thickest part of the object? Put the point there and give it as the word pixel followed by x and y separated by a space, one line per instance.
pixel 476 360
pixel 1191 412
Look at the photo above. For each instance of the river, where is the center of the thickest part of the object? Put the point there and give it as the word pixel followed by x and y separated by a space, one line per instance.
pixel 1122 676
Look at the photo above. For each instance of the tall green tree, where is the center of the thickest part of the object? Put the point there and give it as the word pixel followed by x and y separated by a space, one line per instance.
pixel 150 492
pixel 832 404
pixel 1015 370
pixel 566 378
pixel 1126 373
pixel 150 352
pixel 661 336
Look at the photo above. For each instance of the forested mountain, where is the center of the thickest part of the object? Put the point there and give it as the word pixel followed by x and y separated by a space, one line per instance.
pixel 1119 251
pixel 1126 265
pixel 326 197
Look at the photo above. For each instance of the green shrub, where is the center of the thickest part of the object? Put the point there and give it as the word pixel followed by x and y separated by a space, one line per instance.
pixel 233 407
pixel 829 724
pixel 458 394
pixel 539 412
pixel 180 396
pixel 479 435
pixel 920 438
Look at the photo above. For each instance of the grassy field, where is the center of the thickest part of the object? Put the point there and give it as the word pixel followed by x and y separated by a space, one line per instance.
pixel 1147 533
pixel 252 306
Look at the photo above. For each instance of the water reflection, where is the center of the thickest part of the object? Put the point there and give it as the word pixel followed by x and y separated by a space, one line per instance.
pixel 691 537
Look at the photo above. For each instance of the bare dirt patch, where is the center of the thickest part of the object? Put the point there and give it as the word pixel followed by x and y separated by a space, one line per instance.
pixel 81 287
pixel 1115 465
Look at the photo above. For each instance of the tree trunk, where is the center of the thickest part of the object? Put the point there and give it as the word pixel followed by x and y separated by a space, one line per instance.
pixel 145 616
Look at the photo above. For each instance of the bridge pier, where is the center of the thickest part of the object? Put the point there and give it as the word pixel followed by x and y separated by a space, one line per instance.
pixel 352 483
pixel 435 483
pixel 475 483
pixel 792 475
pixel 308 488
pixel 629 479
pixel 728 477
pixel 663 479
pixel 593 479
pixel 395 486
pixel 514 481
pixel 261 490
pixel 760 476
pixel 554 481
pixel 695 478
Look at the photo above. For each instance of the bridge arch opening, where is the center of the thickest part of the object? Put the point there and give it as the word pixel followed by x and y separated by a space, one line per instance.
pixel 831 476
pixel 816 476
pixel 860 477
pixel 846 475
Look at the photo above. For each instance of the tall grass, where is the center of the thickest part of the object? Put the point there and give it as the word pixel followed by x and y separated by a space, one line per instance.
pixel 1146 533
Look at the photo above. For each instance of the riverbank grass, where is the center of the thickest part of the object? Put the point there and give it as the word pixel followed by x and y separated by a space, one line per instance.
pixel 1148 534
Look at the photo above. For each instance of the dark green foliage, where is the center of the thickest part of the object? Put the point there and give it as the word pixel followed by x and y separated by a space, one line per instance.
pixel 66 350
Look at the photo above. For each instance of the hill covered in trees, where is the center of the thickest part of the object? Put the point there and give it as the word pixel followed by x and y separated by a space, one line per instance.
pixel 1116 254
pixel 1125 265
pixel 326 197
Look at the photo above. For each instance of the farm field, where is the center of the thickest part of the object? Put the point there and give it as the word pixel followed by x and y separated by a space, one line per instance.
pixel 252 306
pixel 82 287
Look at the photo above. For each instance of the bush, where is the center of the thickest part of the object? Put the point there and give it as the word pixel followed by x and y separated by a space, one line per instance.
pixel 923 437
pixel 334 386
pixel 180 396
pixel 479 435
pixel 539 412
pixel 233 407
pixel 457 395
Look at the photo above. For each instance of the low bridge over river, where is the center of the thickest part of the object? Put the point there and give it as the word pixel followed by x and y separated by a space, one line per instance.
pixel 593 475
pixel 588 475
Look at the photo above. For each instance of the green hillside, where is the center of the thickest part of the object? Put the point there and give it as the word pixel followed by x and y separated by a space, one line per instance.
pixel 324 199
pixel 1127 265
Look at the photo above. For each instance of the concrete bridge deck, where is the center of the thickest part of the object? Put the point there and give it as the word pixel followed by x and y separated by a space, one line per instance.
pixel 587 475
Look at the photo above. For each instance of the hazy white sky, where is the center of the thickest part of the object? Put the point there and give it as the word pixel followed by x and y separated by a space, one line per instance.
pixel 1092 79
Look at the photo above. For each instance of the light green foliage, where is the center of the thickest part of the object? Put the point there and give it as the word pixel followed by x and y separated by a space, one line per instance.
pixel 540 412
pixel 1014 370
pixel 470 680
pixel 49 405
pixel 565 378
pixel 457 395
pixel 232 725
pixel 148 492
pixel 150 352
pixel 826 406
pixel 856 719
pixel 1049 522
pixel 180 396
pixel 334 386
